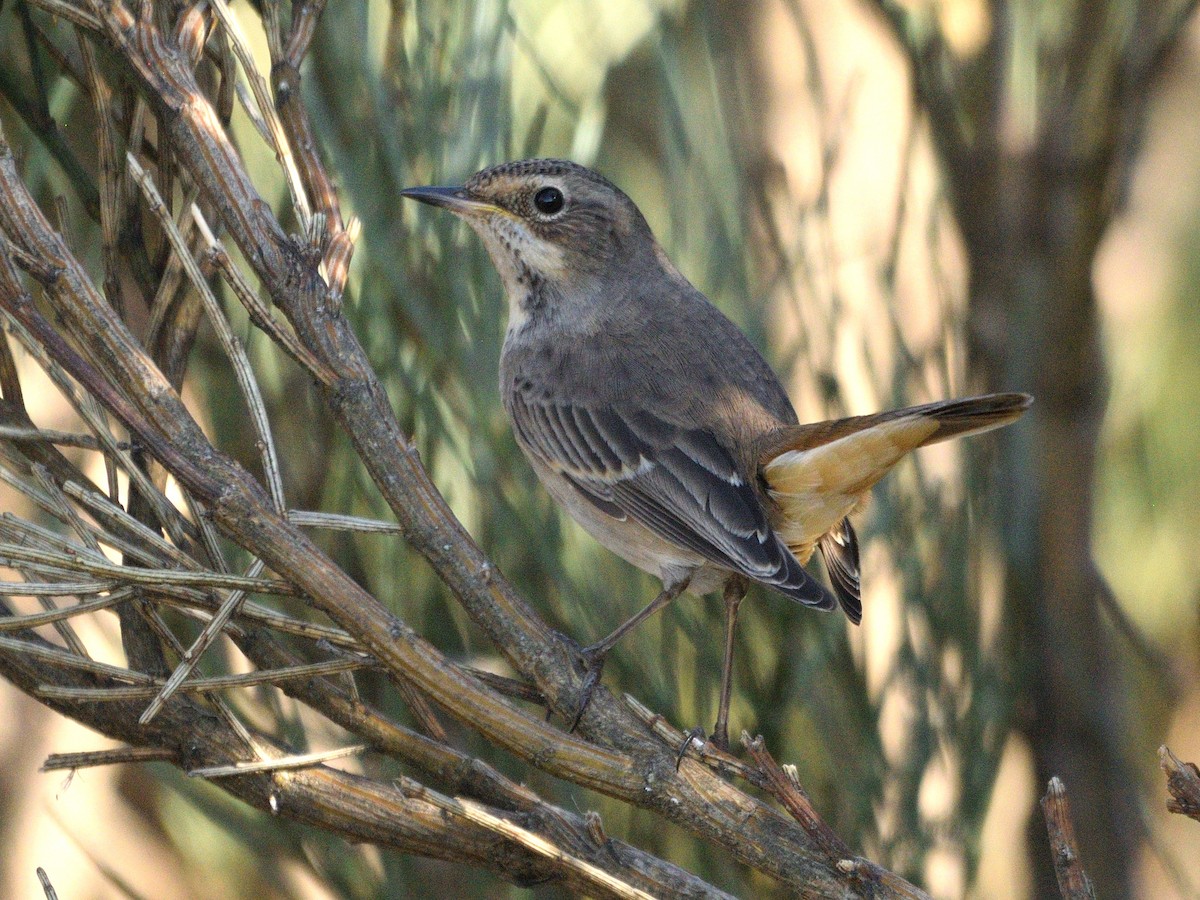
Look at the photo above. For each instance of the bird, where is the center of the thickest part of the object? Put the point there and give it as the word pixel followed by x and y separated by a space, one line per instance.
pixel 656 424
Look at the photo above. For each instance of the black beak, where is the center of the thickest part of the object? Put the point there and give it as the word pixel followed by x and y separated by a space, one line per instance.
pixel 455 199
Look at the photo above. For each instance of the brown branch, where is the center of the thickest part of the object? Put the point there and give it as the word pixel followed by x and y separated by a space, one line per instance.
pixel 862 875
pixel 792 797
pixel 47 885
pixel 474 812
pixel 117 756
pixel 1072 880
pixel 1183 782
pixel 293 115
pixel 358 808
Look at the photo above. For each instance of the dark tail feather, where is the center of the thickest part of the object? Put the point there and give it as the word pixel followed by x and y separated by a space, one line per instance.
pixel 972 414
pixel 839 550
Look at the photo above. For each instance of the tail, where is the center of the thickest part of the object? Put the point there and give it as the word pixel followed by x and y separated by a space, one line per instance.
pixel 818 474
pixel 942 420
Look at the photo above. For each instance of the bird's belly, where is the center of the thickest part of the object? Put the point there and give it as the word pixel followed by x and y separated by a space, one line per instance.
pixel 630 540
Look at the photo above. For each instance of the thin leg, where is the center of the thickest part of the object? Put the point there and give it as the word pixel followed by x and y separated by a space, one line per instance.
pixel 735 592
pixel 665 596
pixel 594 656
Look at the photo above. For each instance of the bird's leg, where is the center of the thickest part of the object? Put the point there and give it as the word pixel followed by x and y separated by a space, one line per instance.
pixel 595 655
pixel 600 649
pixel 735 592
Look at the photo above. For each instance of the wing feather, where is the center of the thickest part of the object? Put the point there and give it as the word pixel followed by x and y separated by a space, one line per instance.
pixel 604 456
pixel 679 483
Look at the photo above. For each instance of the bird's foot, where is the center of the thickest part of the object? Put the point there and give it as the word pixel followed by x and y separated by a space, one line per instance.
pixel 593 665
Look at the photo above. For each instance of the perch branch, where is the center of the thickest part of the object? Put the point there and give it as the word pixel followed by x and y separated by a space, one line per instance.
pixel 356 807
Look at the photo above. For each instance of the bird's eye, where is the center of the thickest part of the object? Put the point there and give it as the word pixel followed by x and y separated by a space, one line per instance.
pixel 548 200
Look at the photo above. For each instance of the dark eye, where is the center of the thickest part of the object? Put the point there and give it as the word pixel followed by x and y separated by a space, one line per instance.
pixel 548 200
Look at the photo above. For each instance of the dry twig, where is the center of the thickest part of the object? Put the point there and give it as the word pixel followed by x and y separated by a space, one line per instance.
pixel 1072 880
pixel 1183 782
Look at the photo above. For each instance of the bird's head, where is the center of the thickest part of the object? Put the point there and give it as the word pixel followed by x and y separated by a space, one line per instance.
pixel 555 231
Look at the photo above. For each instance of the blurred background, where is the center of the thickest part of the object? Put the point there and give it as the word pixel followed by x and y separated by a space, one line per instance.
pixel 777 151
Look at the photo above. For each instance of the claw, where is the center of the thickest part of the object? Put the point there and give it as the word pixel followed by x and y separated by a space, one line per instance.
pixel 593 663
pixel 696 735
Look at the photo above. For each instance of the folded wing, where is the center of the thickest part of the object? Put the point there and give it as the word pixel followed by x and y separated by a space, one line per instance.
pixel 679 483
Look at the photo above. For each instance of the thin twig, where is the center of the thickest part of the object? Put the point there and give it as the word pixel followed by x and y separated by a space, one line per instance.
pixel 338 522
pixel 39 497
pixel 293 115
pixel 168 305
pixel 111 447
pixel 51 436
pixel 70 660
pixel 168 638
pixel 204 605
pixel 788 792
pixel 110 461
pixel 229 342
pixel 28 534
pixel 116 756
pixel 103 508
pixel 110 177
pixel 52 589
pixel 23 532
pixel 259 312
pixel 475 812
pixel 298 761
pixel 78 562
pixel 47 886
pixel 864 875
pixel 62 626
pixel 250 108
pixel 191 656
pixel 1183 782
pixel 1072 880
pixel 509 687
pixel 205 685
pixel 275 133
pixel 35 620
pixel 67 512
pixel 208 532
